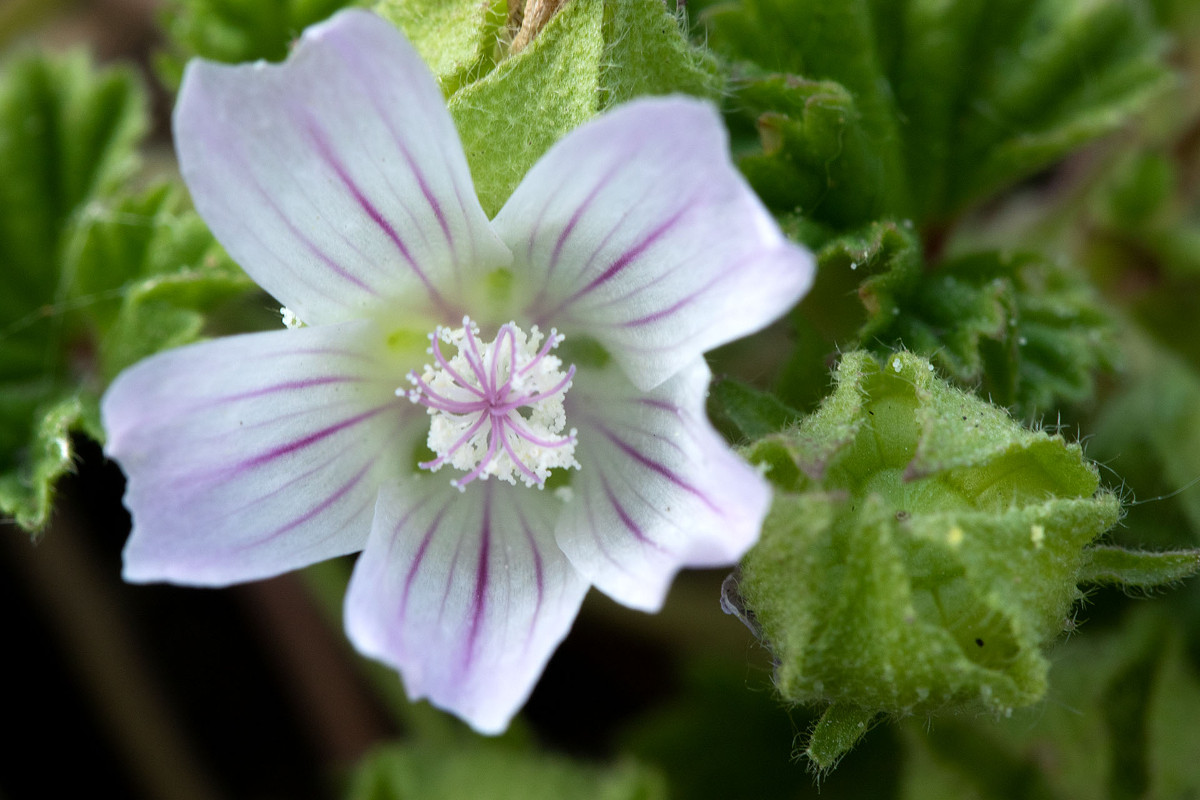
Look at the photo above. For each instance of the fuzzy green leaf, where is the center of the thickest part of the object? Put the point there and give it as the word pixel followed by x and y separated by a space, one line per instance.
pixel 921 548
pixel 27 492
pixel 591 54
pixel 647 53
pixel 459 40
pixel 955 100
pixel 511 116
pixel 1116 566
pixel 485 771
pixel 233 31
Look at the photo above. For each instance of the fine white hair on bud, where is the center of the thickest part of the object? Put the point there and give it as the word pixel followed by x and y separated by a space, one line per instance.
pixel 496 408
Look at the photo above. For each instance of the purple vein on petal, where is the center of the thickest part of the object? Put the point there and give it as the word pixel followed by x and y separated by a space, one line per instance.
pixel 312 438
pixel 321 142
pixel 662 405
pixel 479 596
pixel 614 269
pixel 658 468
pixel 626 520
pixel 422 549
pixel 631 254
pixel 384 114
pixel 538 574
pixel 338 494
pixel 287 386
pixel 576 215
pixel 269 201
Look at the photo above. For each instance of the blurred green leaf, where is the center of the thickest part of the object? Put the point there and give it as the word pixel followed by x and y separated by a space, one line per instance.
pixel 1121 725
pixel 1024 331
pixel 493 771
pixel 742 412
pixel 1150 432
pixel 954 101
pixel 97 278
pixel 233 31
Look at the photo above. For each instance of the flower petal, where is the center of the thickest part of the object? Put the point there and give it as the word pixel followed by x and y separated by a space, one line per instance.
pixel 253 455
pixel 657 490
pixel 638 231
pixel 336 179
pixel 465 593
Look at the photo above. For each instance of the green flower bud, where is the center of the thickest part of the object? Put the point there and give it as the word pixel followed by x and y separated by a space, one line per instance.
pixel 921 549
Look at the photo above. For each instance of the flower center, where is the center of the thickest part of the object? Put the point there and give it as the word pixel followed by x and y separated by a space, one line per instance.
pixel 497 408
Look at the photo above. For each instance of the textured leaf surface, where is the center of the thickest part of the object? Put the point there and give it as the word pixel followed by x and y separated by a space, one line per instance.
pixel 921 549
pixel 591 54
pixel 458 39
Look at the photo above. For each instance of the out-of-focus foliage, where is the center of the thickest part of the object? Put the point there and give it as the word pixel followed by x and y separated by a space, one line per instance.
pixel 1023 331
pixel 940 103
pixel 483 771
pixel 233 31
pixel 1120 723
pixel 96 277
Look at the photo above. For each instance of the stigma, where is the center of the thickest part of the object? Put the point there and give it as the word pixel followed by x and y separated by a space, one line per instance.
pixel 496 408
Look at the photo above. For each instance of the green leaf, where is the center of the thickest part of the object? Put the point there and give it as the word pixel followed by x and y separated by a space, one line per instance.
pixel 488 771
pixel 1116 566
pixel 511 116
pixel 742 412
pixel 1121 725
pixel 647 53
pixel 94 281
pixel 458 39
pixel 66 134
pixel 954 100
pixel 816 156
pixel 27 492
pixel 837 731
pixel 233 31
pixel 144 269
pixel 1028 333
pixel 921 548
pixel 591 54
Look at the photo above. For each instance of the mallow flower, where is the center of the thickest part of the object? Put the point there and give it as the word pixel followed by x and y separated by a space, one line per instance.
pixel 497 413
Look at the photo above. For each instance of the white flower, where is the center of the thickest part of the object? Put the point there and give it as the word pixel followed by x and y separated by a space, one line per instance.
pixel 338 181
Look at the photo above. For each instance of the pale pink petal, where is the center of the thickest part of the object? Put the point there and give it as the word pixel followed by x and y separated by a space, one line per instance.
pixel 657 489
pixel 336 179
pixel 254 455
pixel 637 230
pixel 465 594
